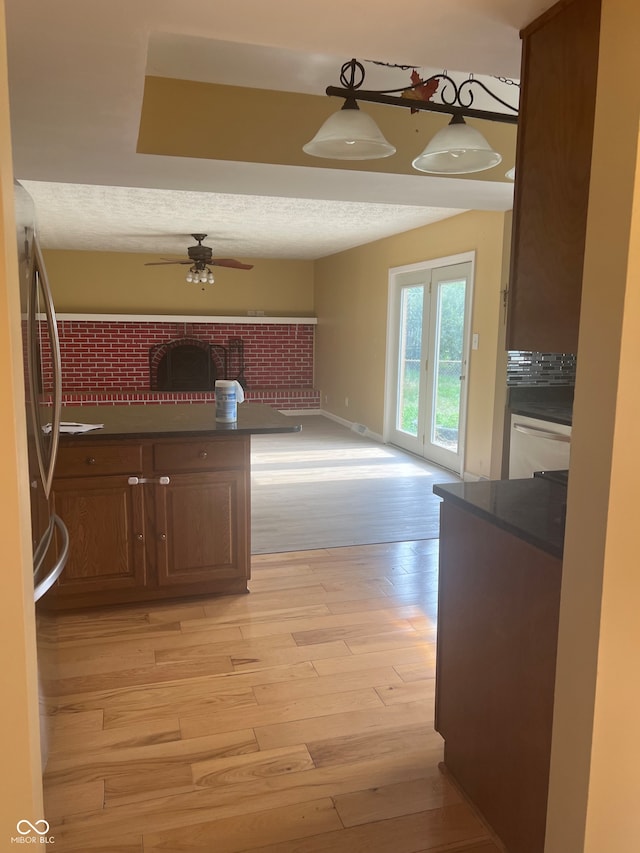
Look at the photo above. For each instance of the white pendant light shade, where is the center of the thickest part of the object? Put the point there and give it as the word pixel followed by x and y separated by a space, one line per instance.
pixel 511 174
pixel 349 134
pixel 457 149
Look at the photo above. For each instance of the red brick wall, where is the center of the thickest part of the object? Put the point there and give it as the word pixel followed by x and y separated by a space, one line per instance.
pixel 108 362
pixel 112 356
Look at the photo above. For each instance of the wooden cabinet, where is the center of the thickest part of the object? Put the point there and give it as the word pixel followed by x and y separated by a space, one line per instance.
pixel 553 163
pixel 153 518
pixel 105 519
pixel 199 528
pixel 498 611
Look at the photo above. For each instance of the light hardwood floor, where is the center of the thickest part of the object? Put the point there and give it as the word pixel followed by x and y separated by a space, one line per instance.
pixel 296 718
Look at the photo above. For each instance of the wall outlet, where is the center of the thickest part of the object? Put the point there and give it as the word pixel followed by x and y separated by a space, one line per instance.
pixel 346 402
pixel 475 341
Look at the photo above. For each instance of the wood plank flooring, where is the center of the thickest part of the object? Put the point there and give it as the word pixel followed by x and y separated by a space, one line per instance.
pixel 329 486
pixel 295 719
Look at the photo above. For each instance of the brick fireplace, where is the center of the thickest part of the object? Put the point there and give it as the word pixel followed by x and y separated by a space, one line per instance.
pixel 107 361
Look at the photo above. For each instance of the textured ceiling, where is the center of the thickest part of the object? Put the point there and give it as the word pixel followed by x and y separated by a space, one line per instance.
pixel 76 75
pixel 123 219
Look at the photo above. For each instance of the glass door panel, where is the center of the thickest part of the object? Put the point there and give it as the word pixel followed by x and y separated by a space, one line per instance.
pixel 445 423
pixel 410 359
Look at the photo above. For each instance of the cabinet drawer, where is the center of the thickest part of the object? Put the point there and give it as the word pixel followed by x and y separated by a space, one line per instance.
pixel 94 459
pixel 203 455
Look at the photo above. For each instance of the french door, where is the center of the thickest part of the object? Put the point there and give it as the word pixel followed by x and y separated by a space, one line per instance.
pixel 427 360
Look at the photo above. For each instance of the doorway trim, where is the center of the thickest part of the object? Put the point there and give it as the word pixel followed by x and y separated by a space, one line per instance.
pixel 393 321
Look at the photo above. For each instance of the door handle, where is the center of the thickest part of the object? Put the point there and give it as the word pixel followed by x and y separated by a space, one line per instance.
pixel 47 582
pixel 138 481
pixel 542 433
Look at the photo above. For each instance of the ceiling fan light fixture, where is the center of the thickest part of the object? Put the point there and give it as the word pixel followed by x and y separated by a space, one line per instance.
pixel 349 134
pixel 457 149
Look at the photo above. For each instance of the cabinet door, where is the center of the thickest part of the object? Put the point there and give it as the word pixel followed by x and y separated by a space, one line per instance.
pixel 201 529
pixel 104 516
pixel 498 611
pixel 553 163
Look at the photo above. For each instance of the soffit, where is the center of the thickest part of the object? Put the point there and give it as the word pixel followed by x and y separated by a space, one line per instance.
pixel 77 70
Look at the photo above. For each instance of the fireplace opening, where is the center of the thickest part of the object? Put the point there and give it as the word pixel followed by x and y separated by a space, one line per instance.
pixel 186 364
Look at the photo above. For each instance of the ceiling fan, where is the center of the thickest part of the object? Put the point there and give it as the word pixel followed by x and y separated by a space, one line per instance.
pixel 200 259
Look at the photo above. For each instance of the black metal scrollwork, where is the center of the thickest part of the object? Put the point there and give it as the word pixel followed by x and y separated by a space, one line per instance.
pixel 454 98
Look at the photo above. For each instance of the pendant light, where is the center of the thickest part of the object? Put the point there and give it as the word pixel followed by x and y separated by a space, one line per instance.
pixel 457 149
pixel 349 134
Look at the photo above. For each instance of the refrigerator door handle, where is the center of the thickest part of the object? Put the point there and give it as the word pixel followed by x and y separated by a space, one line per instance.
pixel 38 279
pixel 47 582
pixel 43 546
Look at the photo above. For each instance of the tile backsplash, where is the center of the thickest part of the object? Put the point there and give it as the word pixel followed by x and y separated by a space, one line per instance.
pixel 540 368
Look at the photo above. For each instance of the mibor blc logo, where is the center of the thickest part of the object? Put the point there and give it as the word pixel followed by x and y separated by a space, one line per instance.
pixel 33 833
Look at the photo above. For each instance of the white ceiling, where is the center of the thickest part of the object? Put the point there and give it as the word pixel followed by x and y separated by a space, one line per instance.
pixel 77 71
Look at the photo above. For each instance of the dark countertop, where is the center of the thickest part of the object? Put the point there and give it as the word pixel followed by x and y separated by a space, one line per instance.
pixel 551 403
pixel 533 509
pixel 555 414
pixel 166 420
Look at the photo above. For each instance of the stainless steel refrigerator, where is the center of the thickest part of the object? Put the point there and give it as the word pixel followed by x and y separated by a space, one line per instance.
pixel 43 395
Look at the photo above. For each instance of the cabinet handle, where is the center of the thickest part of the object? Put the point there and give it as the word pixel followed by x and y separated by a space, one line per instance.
pixel 91 460
pixel 203 454
pixel 140 537
pixel 137 481
pixel 162 537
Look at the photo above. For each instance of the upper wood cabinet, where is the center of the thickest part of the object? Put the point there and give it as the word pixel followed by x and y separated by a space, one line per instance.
pixel 553 163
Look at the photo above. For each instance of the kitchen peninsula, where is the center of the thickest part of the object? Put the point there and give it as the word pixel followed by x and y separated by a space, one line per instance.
pixel 498 608
pixel 157 501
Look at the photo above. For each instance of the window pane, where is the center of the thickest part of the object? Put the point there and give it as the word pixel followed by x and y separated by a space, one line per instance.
pixel 410 359
pixel 448 367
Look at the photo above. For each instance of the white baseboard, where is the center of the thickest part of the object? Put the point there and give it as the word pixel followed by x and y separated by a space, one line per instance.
pixel 298 412
pixel 361 429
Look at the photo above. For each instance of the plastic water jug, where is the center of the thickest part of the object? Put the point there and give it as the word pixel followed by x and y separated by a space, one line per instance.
pixel 228 394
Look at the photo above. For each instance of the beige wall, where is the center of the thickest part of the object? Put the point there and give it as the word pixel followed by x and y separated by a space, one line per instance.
pixel 120 283
pixel 595 784
pixel 20 779
pixel 351 304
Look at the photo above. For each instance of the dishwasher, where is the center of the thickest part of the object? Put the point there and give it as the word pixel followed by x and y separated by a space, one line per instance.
pixel 537 445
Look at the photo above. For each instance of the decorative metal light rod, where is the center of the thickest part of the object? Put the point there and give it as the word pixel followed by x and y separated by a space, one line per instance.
pixel 457 99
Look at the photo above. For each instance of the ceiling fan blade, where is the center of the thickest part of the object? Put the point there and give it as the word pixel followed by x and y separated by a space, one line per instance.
pixel 161 263
pixel 230 262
